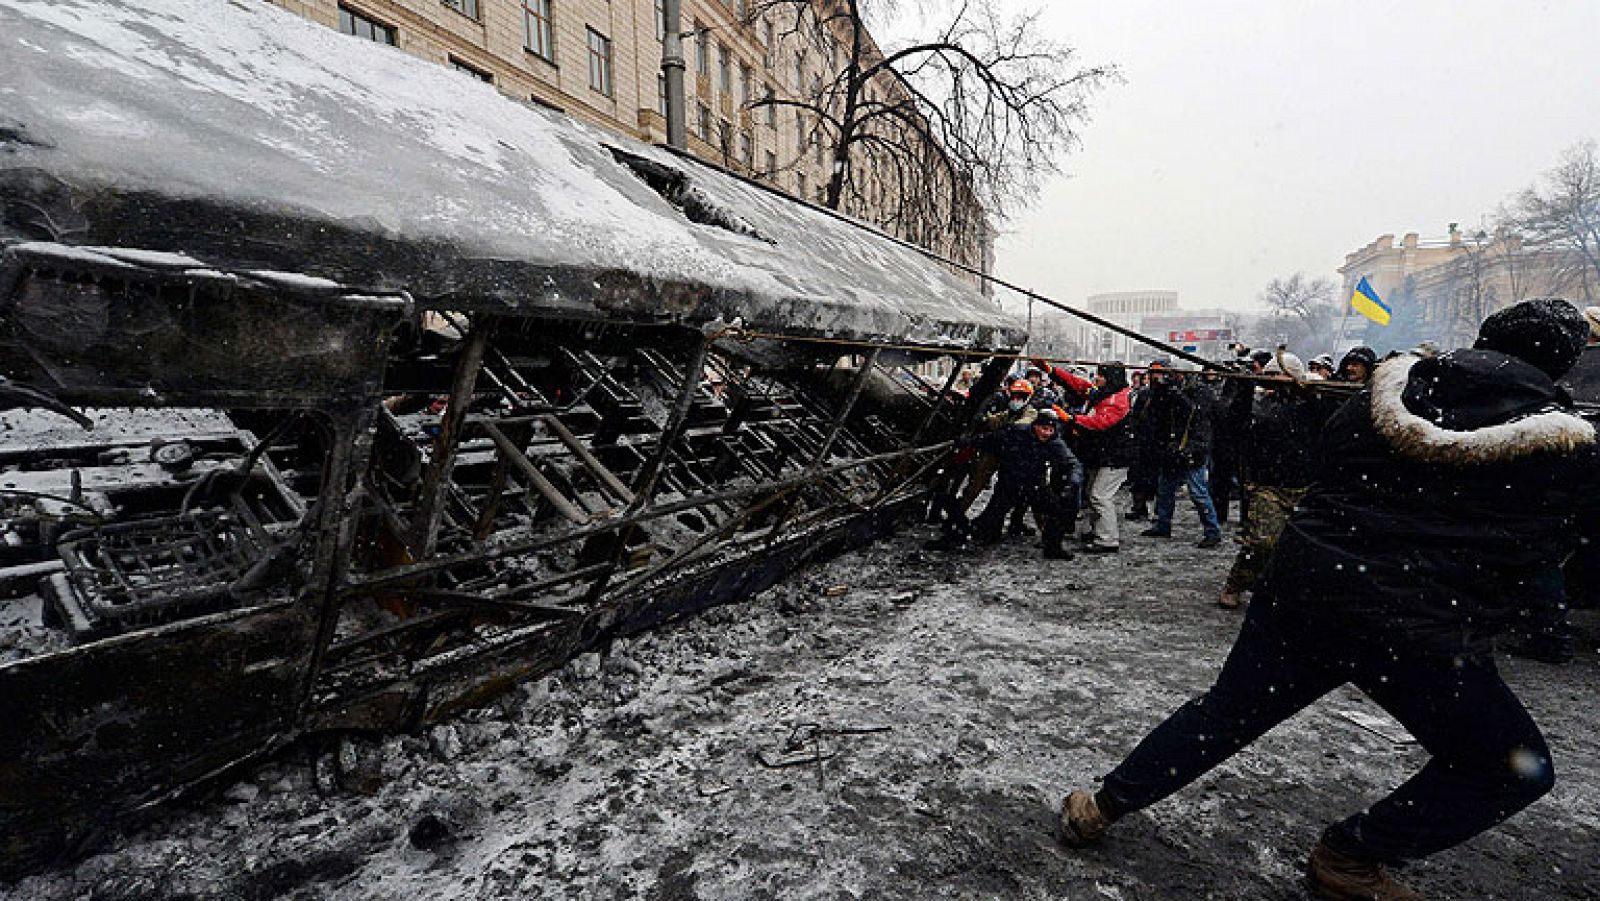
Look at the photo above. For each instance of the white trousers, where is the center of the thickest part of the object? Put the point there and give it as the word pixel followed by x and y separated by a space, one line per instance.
pixel 1104 483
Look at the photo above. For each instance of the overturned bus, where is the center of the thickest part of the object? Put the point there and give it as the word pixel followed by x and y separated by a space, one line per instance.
pixel 341 392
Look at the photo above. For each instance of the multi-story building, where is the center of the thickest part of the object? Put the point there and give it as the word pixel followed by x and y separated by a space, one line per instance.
pixel 1127 309
pixel 600 61
pixel 1440 290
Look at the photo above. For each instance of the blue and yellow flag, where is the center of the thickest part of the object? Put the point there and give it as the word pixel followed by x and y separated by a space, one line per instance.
pixel 1367 303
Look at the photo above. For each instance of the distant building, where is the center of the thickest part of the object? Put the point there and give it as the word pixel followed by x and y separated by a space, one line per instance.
pixel 1127 309
pixel 1206 333
pixel 1441 289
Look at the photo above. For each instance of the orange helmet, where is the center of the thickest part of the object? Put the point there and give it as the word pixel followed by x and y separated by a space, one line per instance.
pixel 1022 386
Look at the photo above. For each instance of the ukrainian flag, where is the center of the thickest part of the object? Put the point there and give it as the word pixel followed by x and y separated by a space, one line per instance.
pixel 1367 303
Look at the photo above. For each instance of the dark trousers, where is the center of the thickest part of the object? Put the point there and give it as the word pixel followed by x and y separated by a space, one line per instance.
pixel 1053 508
pixel 1488 758
pixel 1225 482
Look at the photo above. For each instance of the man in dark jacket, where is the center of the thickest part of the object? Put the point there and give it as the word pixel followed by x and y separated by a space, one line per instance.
pixel 1036 471
pixel 1449 486
pixel 1178 424
pixel 1283 427
pixel 1358 365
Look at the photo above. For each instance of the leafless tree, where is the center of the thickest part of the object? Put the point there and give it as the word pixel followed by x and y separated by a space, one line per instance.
pixel 1562 210
pixel 1302 309
pixel 970 114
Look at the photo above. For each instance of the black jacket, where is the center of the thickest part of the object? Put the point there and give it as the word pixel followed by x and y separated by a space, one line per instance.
pixel 1283 436
pixel 1583 382
pixel 1178 423
pixel 1447 486
pixel 1026 459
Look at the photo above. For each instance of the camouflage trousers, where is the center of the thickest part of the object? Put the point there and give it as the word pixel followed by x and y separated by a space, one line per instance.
pixel 1270 509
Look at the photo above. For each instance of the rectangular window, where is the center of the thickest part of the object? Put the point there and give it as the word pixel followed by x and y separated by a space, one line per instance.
pixel 661 93
pixel 800 185
pixel 468 8
pixel 352 22
pixel 772 164
pixel 472 70
pixel 705 123
pixel 747 149
pixel 816 142
pixel 537 22
pixel 599 62
pixel 769 55
pixel 800 72
pixel 772 108
pixel 800 137
pixel 661 20
pixel 702 50
pixel 746 79
pixel 724 71
pixel 725 138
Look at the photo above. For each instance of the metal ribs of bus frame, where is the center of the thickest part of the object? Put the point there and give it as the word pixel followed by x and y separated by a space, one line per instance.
pixel 304 508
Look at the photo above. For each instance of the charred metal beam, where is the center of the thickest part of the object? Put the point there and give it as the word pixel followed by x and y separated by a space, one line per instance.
pixel 401 574
pixel 546 488
pixel 605 476
pixel 435 482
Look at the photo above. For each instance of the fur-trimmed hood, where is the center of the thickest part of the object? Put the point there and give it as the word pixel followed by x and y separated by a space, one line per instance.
pixel 1473 407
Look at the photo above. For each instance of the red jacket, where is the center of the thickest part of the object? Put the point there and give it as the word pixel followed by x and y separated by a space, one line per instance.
pixel 1105 414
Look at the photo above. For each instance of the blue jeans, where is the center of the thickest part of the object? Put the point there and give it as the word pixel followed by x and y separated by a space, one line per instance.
pixel 1199 495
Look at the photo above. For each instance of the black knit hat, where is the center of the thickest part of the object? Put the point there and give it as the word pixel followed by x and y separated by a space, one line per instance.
pixel 1360 354
pixel 1546 331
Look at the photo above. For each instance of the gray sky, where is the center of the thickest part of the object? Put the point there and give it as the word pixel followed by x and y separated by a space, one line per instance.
pixel 1256 138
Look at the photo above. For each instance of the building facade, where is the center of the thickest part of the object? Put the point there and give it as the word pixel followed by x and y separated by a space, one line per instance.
pixel 600 61
pixel 1441 290
pixel 1128 309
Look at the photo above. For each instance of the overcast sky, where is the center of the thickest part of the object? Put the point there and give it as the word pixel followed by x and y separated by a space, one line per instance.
pixel 1256 138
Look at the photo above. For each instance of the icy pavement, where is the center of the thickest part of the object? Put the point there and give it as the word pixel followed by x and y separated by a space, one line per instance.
pixel 954 699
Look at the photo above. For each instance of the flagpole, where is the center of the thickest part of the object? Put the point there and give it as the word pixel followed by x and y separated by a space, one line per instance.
pixel 1339 339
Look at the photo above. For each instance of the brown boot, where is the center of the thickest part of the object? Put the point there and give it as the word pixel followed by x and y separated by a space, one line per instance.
pixel 1082 823
pixel 1343 878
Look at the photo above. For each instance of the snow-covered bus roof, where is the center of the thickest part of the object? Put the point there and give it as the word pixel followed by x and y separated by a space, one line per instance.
pixel 252 138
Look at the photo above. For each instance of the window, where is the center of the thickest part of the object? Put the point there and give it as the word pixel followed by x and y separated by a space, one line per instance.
pixel 800 71
pixel 468 8
pixel 599 62
pixel 816 142
pixel 472 70
pixel 747 149
pixel 769 54
pixel 746 78
pixel 352 22
pixel 800 142
pixel 702 49
pixel 536 17
pixel 800 184
pixel 741 9
pixel 725 138
pixel 705 123
pixel 724 70
pixel 772 164
pixel 661 93
pixel 661 20
pixel 772 108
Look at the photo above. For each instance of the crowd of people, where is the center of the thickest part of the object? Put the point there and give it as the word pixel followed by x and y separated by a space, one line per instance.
pixel 1395 520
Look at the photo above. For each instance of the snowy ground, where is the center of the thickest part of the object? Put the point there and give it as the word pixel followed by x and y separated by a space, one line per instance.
pixel 959 698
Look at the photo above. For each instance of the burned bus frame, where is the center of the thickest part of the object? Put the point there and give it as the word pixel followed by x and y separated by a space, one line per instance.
pixel 484 388
pixel 776 454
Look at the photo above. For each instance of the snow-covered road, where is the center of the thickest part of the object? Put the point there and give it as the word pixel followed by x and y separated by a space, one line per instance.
pixel 954 699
